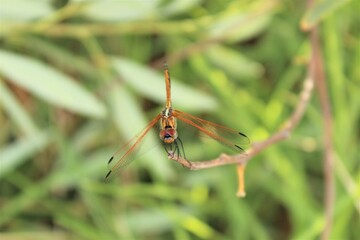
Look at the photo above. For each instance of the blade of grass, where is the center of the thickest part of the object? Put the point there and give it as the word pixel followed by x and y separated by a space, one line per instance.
pixel 49 84
pixel 18 152
pixel 16 111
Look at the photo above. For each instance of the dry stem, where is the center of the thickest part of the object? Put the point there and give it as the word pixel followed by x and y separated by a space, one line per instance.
pixel 329 187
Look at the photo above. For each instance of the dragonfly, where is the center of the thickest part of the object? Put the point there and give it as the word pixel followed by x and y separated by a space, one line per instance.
pixel 169 136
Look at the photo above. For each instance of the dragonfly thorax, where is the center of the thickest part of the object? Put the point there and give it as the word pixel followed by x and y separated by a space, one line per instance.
pixel 167 112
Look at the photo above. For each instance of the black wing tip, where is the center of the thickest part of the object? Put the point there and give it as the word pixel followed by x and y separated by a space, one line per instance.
pixel 107 175
pixel 238 147
pixel 242 134
pixel 110 159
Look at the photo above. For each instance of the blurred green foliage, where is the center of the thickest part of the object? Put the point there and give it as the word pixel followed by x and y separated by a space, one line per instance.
pixel 78 78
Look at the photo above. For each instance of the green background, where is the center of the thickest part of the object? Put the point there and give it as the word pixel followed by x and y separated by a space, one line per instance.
pixel 79 78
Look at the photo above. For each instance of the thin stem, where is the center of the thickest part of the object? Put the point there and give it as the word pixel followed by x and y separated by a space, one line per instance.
pixel 317 72
pixel 329 188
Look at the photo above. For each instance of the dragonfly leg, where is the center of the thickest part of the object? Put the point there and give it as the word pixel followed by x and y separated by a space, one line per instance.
pixel 182 148
pixel 168 149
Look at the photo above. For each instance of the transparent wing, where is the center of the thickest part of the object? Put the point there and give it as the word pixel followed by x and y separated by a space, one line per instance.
pixel 226 136
pixel 126 154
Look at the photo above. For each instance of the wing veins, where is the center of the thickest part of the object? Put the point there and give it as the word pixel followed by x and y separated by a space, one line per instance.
pixel 225 130
pixel 207 132
pixel 204 125
pixel 217 126
pixel 139 138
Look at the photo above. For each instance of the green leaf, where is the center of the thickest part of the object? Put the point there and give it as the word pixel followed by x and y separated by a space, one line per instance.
pixel 179 6
pixel 152 85
pixel 24 10
pixel 83 230
pixel 124 10
pixel 58 55
pixel 16 153
pixel 16 111
pixel 145 221
pixel 319 11
pixel 234 62
pixel 50 84
pixel 239 27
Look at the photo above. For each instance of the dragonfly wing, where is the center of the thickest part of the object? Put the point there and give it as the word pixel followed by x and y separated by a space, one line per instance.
pixel 226 136
pixel 126 154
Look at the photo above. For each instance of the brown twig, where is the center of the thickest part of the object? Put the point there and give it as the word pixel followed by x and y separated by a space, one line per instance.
pixel 225 159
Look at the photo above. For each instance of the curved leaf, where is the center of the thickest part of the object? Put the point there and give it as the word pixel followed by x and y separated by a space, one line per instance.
pixel 125 10
pixel 24 10
pixel 236 63
pixel 319 11
pixel 49 84
pixel 16 111
pixel 236 28
pixel 18 152
pixel 179 7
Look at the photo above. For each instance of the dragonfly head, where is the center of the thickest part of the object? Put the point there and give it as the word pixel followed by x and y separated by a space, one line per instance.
pixel 168 135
